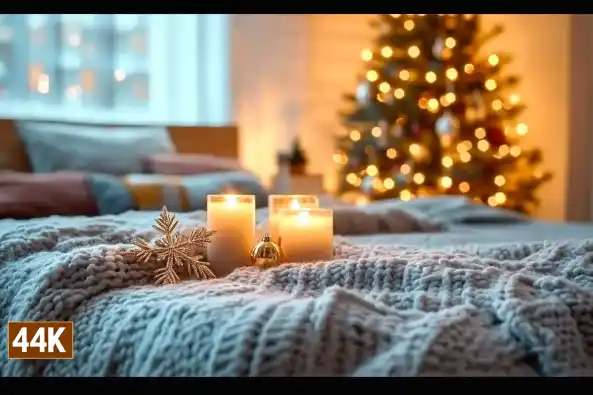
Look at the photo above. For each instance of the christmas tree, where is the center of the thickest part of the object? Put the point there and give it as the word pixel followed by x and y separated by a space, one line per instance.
pixel 434 115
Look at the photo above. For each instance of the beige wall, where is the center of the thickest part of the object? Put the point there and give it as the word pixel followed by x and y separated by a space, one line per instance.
pixel 308 61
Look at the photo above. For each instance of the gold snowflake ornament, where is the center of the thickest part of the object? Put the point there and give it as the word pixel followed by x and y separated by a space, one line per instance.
pixel 175 250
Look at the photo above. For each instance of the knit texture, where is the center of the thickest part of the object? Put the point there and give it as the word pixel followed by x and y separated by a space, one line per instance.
pixel 521 309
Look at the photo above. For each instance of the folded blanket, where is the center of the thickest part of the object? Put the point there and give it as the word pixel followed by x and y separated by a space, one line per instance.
pixel 521 309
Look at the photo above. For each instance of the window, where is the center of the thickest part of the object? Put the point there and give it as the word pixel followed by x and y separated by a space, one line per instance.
pixel 115 68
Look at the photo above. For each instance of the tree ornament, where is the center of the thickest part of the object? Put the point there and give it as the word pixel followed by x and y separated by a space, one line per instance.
pixel 266 253
pixel 447 128
pixel 382 139
pixel 397 130
pixel 438 47
pixel 174 249
pixel 363 93
pixel 368 185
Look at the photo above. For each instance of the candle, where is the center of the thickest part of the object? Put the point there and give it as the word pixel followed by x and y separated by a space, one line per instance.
pixel 307 234
pixel 277 203
pixel 233 219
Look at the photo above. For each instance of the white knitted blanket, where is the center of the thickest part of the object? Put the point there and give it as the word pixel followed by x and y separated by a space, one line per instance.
pixel 522 309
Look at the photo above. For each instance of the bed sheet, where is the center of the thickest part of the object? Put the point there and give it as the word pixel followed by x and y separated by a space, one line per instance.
pixel 458 234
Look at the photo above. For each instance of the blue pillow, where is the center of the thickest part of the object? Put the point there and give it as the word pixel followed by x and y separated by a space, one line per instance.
pixel 88 148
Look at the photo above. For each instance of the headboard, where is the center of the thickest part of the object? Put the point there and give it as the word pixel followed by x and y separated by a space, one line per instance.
pixel 212 140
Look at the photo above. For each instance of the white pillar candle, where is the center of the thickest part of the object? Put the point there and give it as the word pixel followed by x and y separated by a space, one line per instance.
pixel 307 234
pixel 277 203
pixel 233 219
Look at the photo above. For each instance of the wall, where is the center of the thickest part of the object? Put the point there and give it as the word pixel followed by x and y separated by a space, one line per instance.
pixel 269 58
pixel 539 43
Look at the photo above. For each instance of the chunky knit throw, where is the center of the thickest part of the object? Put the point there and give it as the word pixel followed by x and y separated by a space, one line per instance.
pixel 523 309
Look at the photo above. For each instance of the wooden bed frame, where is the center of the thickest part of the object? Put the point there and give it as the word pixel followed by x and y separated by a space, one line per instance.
pixel 220 141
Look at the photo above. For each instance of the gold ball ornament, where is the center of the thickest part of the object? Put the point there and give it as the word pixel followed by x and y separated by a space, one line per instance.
pixel 266 253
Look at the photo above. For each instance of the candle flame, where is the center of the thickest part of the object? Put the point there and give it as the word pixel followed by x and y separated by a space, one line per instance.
pixel 231 200
pixel 295 204
pixel 303 217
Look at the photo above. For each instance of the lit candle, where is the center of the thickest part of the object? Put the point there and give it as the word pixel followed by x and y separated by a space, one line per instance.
pixel 277 203
pixel 233 219
pixel 307 234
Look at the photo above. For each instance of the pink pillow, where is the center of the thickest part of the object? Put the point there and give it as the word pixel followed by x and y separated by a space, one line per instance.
pixel 25 195
pixel 187 164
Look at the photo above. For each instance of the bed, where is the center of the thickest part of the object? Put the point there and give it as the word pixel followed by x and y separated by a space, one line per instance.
pixel 49 168
pixel 431 287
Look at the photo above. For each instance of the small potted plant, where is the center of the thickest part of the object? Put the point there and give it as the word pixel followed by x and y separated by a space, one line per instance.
pixel 298 159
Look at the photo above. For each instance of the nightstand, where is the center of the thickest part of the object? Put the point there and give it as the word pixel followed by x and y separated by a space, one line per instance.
pixel 307 184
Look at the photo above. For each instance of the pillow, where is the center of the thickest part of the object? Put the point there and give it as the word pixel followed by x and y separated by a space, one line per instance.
pixel 25 195
pixel 179 193
pixel 118 150
pixel 185 164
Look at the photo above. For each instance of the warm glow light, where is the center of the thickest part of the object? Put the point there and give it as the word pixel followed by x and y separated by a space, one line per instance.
pixel 447 161
pixel 372 75
pixel 499 180
pixel 497 105
pixel 376 131
pixel 386 52
pixel 418 178
pixel 468 68
pixel 303 217
pixel 451 74
pixel 404 75
pixel 430 77
pixel 515 151
pixel 372 170
pixel 351 178
pixel 503 150
pixel 405 169
pixel 480 133
pixel 409 25
pixel 490 84
pixel 433 104
pixel 500 197
pixel 415 149
pixel 493 60
pixel 450 97
pixel 388 183
pixel 355 135
pixel 231 200
pixel 414 51
pixel 464 187
pixel 450 42
pixel 492 201
pixel 366 55
pixel 405 195
pixel 391 153
pixel 465 157
pixel 514 99
pixel 483 145
pixel 294 205
pixel 399 93
pixel 446 182
pixel 384 87
pixel 521 129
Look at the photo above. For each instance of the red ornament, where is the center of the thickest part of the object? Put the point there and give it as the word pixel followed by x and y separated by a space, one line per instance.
pixel 495 136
